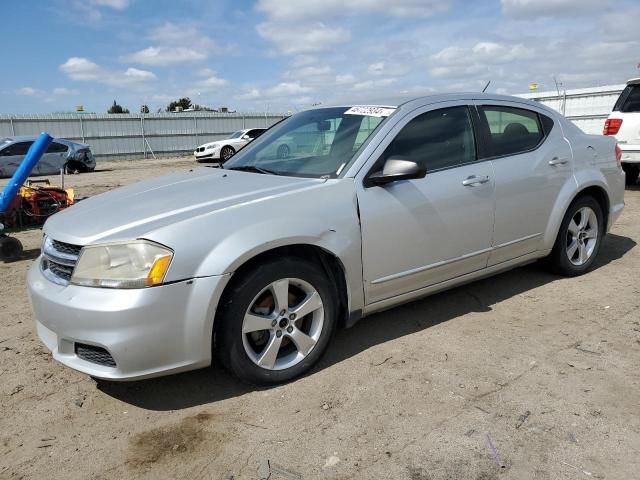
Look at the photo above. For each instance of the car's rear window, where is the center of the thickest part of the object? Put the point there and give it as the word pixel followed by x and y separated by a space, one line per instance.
pixel 629 100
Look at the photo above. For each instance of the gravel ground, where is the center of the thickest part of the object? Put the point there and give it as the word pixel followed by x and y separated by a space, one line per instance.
pixel 521 376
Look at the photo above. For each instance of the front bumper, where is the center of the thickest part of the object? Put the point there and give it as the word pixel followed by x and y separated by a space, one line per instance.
pixel 148 332
pixel 207 155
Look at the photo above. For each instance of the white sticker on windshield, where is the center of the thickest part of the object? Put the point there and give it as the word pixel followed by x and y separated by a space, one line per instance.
pixel 370 111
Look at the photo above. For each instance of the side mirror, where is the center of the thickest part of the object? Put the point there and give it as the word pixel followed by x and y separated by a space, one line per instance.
pixel 396 169
pixel 246 137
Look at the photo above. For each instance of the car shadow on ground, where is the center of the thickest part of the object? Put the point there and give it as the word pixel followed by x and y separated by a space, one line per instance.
pixel 212 384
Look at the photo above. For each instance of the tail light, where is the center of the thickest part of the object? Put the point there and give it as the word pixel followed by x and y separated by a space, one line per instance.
pixel 612 126
pixel 619 155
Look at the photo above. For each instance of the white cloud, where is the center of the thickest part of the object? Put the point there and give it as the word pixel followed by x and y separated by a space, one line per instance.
pixel 135 75
pixel 31 92
pixel 549 8
pixel 370 84
pixel 65 91
pixel 376 68
pixel 78 68
pixel 297 39
pixel 211 83
pixel 251 94
pixel 345 79
pixel 83 69
pixel 311 71
pixel 316 9
pixel 205 72
pixel 455 61
pixel 115 4
pixel 163 56
pixel 286 89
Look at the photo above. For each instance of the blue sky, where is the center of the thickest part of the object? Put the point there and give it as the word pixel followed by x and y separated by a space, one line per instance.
pixel 286 55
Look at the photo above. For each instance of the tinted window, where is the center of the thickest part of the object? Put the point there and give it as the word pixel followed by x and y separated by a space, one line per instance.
pixel 255 133
pixel 56 147
pixel 436 140
pixel 513 130
pixel 19 148
pixel 629 100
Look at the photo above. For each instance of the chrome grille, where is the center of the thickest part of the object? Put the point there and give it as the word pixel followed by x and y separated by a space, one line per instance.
pixel 58 260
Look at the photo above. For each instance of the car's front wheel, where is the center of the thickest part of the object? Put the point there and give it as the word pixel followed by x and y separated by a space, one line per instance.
pixel 226 153
pixel 276 321
pixel 579 238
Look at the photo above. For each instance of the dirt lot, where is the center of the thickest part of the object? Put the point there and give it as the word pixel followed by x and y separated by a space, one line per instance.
pixel 522 376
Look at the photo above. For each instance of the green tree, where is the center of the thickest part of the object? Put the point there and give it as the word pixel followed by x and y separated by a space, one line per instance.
pixel 115 108
pixel 184 102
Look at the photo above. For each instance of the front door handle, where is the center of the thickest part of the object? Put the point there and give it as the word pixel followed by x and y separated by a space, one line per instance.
pixel 558 161
pixel 474 180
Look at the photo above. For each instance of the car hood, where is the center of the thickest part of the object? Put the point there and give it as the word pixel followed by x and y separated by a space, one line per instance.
pixel 135 211
pixel 218 143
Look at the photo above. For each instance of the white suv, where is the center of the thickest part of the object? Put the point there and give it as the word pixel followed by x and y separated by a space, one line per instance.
pixel 624 124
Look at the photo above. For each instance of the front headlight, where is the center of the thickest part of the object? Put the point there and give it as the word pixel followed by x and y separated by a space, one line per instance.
pixel 136 264
pixel 212 147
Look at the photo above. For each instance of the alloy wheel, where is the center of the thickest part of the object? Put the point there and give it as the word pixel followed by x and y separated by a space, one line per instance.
pixel 227 153
pixel 283 324
pixel 582 236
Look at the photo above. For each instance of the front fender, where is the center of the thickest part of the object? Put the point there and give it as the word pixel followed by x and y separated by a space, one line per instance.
pixel 324 216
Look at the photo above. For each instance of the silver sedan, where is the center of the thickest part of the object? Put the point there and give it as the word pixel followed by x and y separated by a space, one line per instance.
pixel 258 263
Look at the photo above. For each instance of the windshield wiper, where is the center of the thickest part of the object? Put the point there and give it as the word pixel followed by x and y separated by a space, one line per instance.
pixel 252 168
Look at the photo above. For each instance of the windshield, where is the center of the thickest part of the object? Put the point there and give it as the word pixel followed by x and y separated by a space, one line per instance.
pixel 315 143
pixel 237 134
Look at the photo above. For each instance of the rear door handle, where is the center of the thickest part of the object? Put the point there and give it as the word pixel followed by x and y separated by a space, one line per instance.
pixel 474 180
pixel 558 161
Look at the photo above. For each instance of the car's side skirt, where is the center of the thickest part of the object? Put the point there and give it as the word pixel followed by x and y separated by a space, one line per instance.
pixel 454 282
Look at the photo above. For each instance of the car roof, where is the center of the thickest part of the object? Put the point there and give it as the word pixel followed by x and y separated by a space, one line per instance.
pixel 633 81
pixel 410 103
pixel 32 138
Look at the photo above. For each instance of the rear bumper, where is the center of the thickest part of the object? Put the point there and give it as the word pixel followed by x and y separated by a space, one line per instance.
pixel 630 154
pixel 148 332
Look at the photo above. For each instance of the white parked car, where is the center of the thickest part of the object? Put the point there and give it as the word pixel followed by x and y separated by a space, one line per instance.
pixel 257 263
pixel 222 150
pixel 624 124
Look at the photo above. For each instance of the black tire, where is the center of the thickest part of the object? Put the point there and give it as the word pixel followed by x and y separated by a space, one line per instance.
pixel 559 260
pixel 228 336
pixel 10 248
pixel 631 172
pixel 283 151
pixel 226 153
pixel 73 168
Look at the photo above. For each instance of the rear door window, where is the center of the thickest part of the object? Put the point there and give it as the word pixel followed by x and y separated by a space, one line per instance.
pixel 512 130
pixel 629 100
pixel 56 147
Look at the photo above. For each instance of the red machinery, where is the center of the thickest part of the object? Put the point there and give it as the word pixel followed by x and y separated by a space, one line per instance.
pixel 30 208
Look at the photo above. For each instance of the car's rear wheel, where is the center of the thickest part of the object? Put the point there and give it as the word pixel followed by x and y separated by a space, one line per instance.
pixel 284 151
pixel 579 238
pixel 631 172
pixel 73 167
pixel 276 321
pixel 226 153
